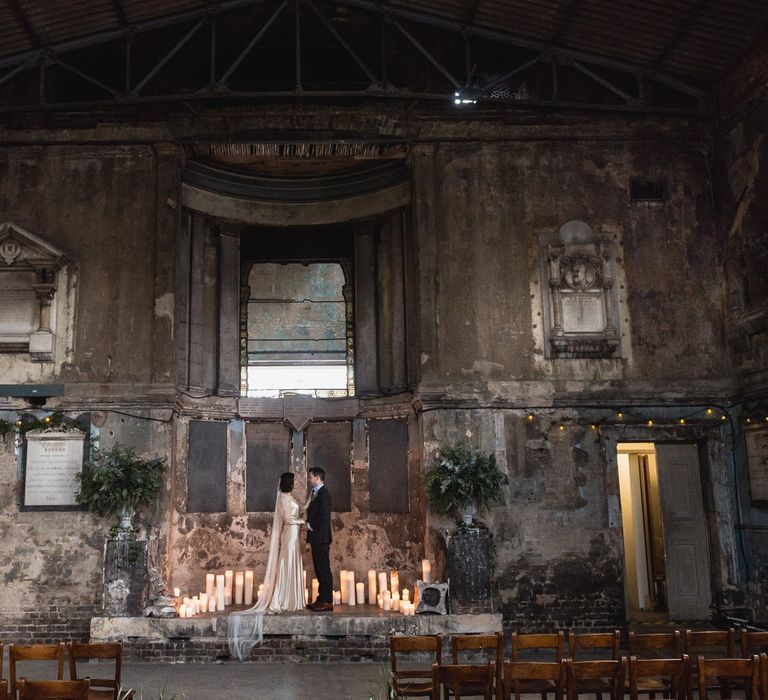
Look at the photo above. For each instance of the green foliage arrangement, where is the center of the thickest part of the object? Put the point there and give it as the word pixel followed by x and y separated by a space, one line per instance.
pixel 462 476
pixel 117 480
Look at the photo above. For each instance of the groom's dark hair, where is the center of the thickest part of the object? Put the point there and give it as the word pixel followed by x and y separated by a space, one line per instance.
pixel 317 471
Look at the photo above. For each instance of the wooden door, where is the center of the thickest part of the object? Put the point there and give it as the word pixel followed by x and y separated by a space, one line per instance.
pixel 686 544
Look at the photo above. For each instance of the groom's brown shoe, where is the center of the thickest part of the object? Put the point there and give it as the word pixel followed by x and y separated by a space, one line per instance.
pixel 322 607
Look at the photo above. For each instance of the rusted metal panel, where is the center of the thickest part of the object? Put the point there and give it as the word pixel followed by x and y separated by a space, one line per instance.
pixel 268 454
pixel 207 467
pixel 388 471
pixel 329 445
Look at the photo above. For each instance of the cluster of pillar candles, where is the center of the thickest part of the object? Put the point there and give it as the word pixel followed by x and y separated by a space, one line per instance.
pixel 237 587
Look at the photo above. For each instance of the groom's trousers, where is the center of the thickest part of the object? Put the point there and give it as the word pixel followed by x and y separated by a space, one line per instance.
pixel 322 563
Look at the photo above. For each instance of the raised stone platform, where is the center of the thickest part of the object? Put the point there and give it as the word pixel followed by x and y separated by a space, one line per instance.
pixel 349 633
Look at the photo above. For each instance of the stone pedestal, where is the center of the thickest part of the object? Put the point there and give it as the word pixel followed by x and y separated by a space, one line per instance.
pixel 125 574
pixel 469 567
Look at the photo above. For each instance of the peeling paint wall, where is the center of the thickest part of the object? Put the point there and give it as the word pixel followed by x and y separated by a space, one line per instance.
pixel 484 193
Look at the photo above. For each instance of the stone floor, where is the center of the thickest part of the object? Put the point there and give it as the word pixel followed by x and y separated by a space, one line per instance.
pixel 236 681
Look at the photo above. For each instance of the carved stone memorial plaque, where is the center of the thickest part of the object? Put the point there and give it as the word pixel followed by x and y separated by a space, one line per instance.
pixel 53 461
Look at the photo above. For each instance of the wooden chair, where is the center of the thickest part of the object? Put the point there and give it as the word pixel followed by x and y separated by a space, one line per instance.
pixel 711 644
pixel 492 646
pixel 744 672
pixel 764 676
pixel 519 675
pixel 467 679
pixel 595 646
pixel 595 677
pixel 657 645
pixel 3 688
pixel 53 690
pixel 101 688
pixel 33 652
pixel 413 682
pixel 751 643
pixel 673 675
pixel 552 644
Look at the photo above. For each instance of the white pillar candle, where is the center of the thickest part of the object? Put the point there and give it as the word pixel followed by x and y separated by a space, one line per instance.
pixel 382 581
pixel 260 591
pixel 387 600
pixel 412 610
pixel 406 595
pixel 380 600
pixel 210 583
pixel 248 594
pixel 396 602
pixel 305 578
pixel 220 592
pixel 176 592
pixel 228 576
pixel 426 571
pixel 203 598
pixel 212 604
pixel 371 587
pixel 315 589
pixel 182 610
pixel 350 587
pixel 306 596
pixel 239 582
pixel 343 586
pixel 394 580
pixel 360 591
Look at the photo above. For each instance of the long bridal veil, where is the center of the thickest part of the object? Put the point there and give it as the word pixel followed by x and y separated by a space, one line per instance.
pixel 245 629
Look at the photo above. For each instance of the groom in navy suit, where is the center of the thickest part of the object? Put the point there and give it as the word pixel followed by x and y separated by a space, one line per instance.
pixel 319 538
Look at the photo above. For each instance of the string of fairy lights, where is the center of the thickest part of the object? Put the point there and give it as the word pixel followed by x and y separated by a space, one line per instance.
pixel 594 417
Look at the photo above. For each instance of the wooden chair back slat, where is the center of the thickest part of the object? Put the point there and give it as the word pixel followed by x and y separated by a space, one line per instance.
pixel 108 651
pixel 764 676
pixel 657 645
pixel 470 679
pixel 554 641
pixel 517 673
pixel 492 644
pixel 746 671
pixel 711 643
pixel 579 643
pixel 33 652
pixel 54 690
pixel 611 671
pixel 674 672
pixel 3 688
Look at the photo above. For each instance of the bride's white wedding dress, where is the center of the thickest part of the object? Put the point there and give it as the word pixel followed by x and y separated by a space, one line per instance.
pixel 288 593
pixel 283 582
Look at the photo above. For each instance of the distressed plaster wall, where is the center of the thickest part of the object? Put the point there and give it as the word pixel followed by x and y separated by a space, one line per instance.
pixel 484 192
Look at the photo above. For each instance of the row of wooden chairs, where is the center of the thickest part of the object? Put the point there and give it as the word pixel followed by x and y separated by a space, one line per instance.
pixel 16 687
pixel 591 646
pixel 570 679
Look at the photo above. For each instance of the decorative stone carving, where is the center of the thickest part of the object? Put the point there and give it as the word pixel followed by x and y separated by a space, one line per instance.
pixel 581 304
pixel 28 270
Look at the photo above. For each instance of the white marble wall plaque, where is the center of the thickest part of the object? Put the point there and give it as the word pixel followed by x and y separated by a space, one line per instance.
pixel 54 459
pixel 757 457
pixel 583 313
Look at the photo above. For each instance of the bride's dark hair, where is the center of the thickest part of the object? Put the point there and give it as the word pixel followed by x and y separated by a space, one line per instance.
pixel 286 482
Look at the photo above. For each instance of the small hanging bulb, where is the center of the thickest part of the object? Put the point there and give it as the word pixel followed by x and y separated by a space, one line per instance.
pixel 650 423
pixel 620 415
pixel 682 421
pixel 593 426
pixel 562 427
pixel 723 417
pixel 709 411
pixel 530 417
pixel 47 419
pixel 749 420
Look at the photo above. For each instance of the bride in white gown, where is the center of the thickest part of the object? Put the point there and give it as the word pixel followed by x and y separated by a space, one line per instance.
pixel 284 580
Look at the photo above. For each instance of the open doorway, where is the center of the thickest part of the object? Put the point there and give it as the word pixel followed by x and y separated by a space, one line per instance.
pixel 644 561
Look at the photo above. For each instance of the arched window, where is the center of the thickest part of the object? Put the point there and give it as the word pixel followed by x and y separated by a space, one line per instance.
pixel 297 331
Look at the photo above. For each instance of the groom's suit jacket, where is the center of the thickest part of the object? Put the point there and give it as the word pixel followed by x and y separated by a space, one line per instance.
pixel 319 518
